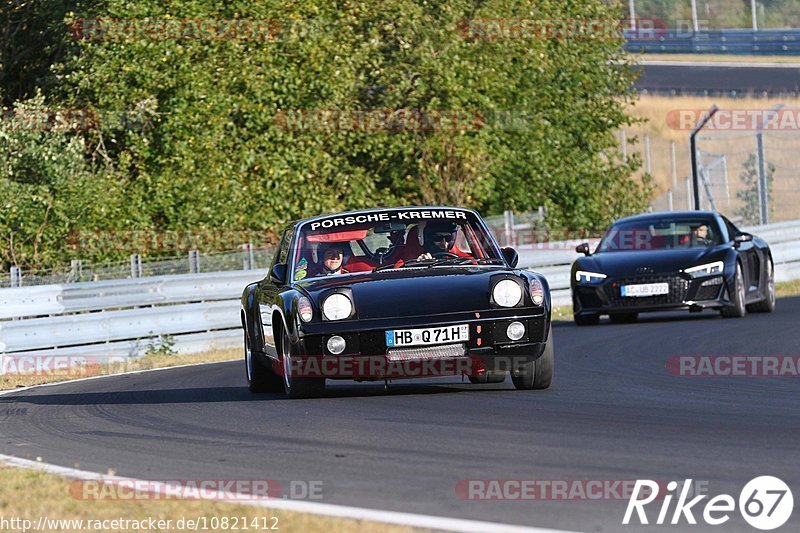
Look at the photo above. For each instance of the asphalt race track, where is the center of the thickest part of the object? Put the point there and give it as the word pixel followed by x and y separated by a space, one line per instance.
pixel 613 413
pixel 665 78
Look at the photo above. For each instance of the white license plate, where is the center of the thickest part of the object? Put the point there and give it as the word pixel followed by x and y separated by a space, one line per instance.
pixel 644 289
pixel 427 336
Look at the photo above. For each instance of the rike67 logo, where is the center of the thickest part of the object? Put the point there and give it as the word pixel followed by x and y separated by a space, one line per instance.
pixel 765 503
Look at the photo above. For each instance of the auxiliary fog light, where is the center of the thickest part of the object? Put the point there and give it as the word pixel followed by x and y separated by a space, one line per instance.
pixel 336 345
pixel 515 331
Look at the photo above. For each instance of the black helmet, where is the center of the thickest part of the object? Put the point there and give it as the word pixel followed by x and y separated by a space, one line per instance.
pixel 438 230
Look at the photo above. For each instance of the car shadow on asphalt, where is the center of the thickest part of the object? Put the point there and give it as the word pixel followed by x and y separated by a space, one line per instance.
pixel 241 394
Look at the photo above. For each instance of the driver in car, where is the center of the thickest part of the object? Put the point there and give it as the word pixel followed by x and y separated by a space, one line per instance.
pixel 700 235
pixel 440 238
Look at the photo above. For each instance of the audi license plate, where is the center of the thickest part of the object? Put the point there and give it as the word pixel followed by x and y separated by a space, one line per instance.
pixel 644 289
pixel 427 336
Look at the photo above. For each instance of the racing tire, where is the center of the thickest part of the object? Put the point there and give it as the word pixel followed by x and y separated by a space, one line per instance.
pixel 492 376
pixel 767 305
pixel 623 318
pixel 260 378
pixel 587 320
pixel 737 308
pixel 536 374
pixel 296 387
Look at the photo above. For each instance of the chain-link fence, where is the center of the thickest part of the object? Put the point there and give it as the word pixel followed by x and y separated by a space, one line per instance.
pixel 248 258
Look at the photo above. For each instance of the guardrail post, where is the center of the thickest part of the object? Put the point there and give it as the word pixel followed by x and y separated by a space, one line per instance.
pixel 16 277
pixel 136 266
pixel 194 261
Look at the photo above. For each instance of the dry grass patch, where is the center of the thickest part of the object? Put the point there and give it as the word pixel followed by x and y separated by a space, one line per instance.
pixel 30 494
pixel 13 381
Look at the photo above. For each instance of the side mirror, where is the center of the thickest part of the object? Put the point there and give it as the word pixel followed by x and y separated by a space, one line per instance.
pixel 511 256
pixel 583 248
pixel 742 237
pixel 278 274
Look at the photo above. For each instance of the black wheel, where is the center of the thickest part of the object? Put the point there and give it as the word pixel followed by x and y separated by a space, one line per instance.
pixel 587 320
pixel 297 387
pixel 536 374
pixel 492 376
pixel 623 318
pixel 260 378
pixel 767 305
pixel 737 307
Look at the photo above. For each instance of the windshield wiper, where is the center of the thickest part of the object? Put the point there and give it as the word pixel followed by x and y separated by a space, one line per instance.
pixel 490 261
pixel 450 260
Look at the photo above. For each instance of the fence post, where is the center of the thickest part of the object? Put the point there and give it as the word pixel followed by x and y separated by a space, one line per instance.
pixel 647 165
pixel 508 228
pixel 136 266
pixel 623 141
pixel 674 166
pixel 75 269
pixel 194 261
pixel 763 188
pixel 16 277
pixel 669 199
pixel 688 194
pixel 248 259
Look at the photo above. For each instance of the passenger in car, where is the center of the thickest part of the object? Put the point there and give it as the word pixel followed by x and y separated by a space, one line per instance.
pixel 332 256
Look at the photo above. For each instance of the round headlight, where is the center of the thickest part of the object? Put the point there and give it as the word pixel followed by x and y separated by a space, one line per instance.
pixel 515 331
pixel 304 309
pixel 507 293
pixel 336 345
pixel 337 307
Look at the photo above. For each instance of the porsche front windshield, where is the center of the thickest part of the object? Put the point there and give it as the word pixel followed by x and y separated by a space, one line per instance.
pixel 660 234
pixel 362 242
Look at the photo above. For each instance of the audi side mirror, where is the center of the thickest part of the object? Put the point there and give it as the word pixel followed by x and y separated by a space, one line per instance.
pixel 511 256
pixel 583 248
pixel 278 274
pixel 742 237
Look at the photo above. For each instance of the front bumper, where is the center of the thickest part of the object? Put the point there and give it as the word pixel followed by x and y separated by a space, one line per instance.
pixel 685 293
pixel 367 356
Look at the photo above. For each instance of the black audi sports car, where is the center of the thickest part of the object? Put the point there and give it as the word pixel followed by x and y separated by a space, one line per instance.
pixel 395 293
pixel 674 260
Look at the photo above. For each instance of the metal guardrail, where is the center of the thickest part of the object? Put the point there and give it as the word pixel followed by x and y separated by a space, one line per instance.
pixel 759 42
pixel 121 318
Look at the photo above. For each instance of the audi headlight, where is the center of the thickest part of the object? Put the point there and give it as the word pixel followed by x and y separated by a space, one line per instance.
pixel 337 307
pixel 507 293
pixel 582 276
pixel 709 269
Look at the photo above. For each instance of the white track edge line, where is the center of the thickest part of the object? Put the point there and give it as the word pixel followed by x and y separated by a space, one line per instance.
pixel 326 509
pixel 339 511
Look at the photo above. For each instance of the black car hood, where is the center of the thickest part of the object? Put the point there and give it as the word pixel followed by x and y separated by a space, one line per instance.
pixel 411 292
pixel 660 261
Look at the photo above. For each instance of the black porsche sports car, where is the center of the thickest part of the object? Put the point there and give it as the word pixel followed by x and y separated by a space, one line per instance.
pixel 395 293
pixel 674 260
